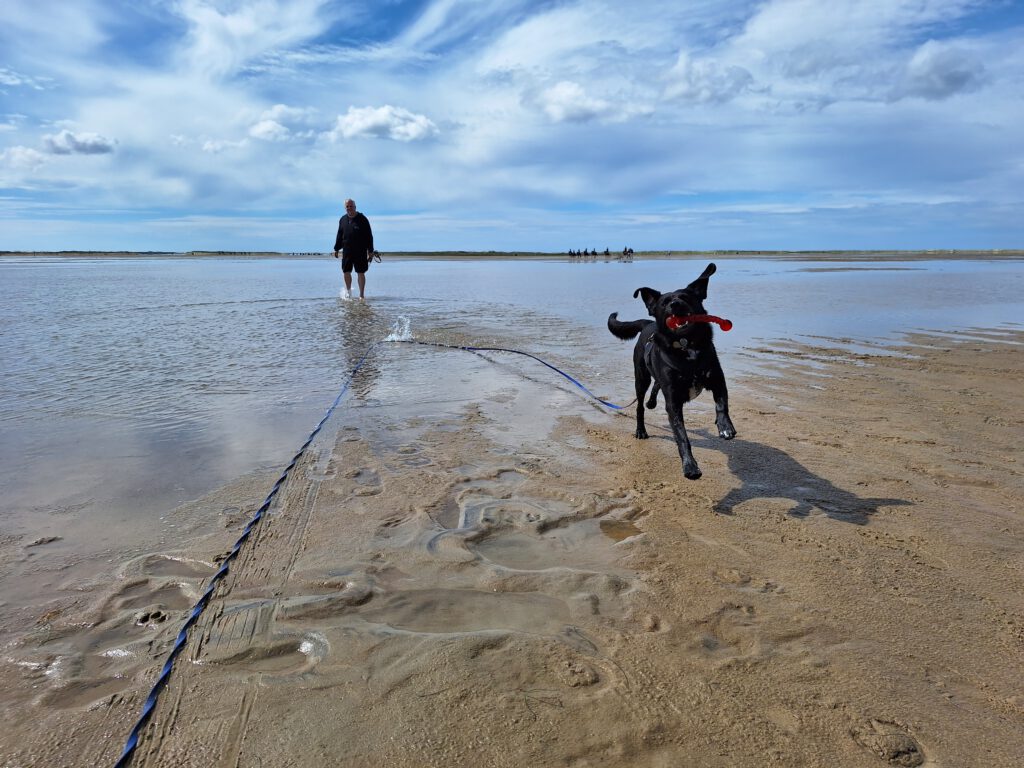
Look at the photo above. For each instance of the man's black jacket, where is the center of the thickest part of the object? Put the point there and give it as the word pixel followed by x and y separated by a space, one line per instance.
pixel 355 238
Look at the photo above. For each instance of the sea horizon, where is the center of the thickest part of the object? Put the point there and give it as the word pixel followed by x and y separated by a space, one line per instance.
pixel 879 254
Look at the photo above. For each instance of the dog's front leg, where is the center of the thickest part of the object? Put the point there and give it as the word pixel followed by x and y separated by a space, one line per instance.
pixel 716 383
pixel 652 401
pixel 675 418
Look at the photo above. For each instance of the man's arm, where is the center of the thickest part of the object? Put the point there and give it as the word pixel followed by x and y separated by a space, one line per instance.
pixel 369 236
pixel 337 238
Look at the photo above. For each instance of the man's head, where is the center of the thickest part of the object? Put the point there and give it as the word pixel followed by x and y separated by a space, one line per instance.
pixel 350 207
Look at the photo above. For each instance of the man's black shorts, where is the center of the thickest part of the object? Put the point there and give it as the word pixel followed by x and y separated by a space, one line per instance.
pixel 357 260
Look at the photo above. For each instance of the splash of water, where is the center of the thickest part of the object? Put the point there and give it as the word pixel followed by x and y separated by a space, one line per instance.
pixel 401 330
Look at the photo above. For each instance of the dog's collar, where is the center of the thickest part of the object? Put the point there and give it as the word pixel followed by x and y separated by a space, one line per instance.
pixel 683 345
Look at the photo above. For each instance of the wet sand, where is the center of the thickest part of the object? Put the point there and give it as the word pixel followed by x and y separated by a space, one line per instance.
pixel 514 580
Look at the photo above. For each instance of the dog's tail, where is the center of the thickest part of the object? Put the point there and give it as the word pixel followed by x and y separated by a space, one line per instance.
pixel 626 330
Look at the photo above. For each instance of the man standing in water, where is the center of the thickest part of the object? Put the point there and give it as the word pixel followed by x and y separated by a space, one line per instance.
pixel 355 241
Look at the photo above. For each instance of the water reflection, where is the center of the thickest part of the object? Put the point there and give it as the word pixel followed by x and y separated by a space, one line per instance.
pixel 358 326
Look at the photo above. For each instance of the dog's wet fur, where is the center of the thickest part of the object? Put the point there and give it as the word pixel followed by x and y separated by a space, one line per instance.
pixel 681 362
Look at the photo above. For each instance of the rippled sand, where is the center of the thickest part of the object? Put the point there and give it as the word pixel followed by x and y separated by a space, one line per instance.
pixel 500 575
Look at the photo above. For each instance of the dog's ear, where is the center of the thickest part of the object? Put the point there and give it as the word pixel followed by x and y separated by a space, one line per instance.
pixel 650 297
pixel 700 285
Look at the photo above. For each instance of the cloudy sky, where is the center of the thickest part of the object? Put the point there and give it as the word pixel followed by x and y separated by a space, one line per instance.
pixel 519 125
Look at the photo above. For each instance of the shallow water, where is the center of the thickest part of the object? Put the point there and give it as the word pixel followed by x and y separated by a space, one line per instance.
pixel 129 386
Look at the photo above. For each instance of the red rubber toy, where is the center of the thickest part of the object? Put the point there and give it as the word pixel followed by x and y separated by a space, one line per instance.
pixel 675 321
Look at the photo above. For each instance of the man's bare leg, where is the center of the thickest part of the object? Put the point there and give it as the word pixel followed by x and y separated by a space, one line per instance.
pixel 362 284
pixel 348 282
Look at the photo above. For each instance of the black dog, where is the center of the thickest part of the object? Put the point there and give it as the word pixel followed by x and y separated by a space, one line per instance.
pixel 680 357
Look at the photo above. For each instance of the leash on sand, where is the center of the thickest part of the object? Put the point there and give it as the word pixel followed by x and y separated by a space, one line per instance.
pixel 179 644
pixel 559 371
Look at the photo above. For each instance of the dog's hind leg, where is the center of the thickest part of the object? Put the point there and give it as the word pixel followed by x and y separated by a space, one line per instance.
pixel 675 418
pixel 652 401
pixel 719 391
pixel 643 381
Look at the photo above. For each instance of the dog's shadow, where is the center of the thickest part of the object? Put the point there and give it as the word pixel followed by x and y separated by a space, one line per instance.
pixel 769 473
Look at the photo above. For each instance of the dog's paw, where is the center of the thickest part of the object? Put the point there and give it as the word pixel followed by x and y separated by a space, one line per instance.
pixel 726 429
pixel 640 434
pixel 692 471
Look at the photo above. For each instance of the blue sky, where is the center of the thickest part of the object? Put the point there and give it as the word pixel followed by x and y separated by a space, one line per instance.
pixel 464 125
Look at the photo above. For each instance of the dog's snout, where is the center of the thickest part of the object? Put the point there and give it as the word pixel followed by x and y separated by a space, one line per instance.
pixel 679 307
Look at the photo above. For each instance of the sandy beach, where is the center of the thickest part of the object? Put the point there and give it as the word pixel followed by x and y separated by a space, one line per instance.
pixel 518 581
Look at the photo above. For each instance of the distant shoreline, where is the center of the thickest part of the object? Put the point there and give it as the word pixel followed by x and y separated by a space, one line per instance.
pixel 883 255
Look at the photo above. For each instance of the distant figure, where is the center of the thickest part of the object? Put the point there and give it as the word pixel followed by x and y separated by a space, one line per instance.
pixel 586 252
pixel 355 241
pixel 606 252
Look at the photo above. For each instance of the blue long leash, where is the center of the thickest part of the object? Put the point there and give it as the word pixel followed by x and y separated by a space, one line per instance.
pixel 515 352
pixel 201 603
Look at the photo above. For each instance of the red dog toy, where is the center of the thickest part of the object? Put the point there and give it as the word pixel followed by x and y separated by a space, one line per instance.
pixel 674 321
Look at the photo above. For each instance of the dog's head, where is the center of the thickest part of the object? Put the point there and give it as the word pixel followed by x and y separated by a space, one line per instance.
pixel 668 309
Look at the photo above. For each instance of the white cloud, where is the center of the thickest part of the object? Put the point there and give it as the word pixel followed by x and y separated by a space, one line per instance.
pixel 68 143
pixel 706 81
pixel 385 122
pixel 269 130
pixel 12 78
pixel 568 102
pixel 284 114
pixel 938 71
pixel 10 122
pixel 216 146
pixel 222 42
pixel 54 29
pixel 806 36
pixel 279 122
pixel 22 158
pixel 805 52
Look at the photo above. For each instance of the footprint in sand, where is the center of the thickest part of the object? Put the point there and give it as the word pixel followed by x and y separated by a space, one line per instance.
pixel 84 694
pixel 170 566
pixel 90 667
pixel 731 576
pixel 151 618
pixel 299 607
pixel 890 742
pixel 279 656
pixel 744 582
pixel 367 481
pixel 148 593
pixel 411 457
pixel 577 674
pixel 730 632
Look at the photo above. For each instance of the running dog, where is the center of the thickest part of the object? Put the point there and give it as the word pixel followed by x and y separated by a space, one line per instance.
pixel 675 349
